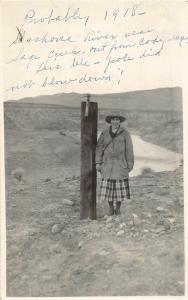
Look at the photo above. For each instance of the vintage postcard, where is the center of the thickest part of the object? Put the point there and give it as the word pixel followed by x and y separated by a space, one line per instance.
pixel 93 142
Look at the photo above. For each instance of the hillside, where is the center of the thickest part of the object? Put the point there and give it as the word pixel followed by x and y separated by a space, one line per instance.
pixel 158 99
pixel 163 128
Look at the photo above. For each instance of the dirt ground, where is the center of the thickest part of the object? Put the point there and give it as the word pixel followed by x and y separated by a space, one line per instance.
pixel 51 252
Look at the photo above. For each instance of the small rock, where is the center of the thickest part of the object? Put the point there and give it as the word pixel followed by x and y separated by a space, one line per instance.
pixel 61 132
pixel 149 215
pixel 120 232
pixel 68 202
pixel 165 223
pixel 160 209
pixel 145 221
pixel 104 252
pixel 31 232
pixel 56 228
pixel 134 216
pixel 136 220
pixel 90 236
pixel 77 272
pixel 122 225
pixel 88 220
pixel 94 221
pixel 171 220
pixel 168 215
pixel 145 230
pixel 109 225
pixel 80 244
pixel 109 219
pixel 146 215
pixel 47 179
pixel 159 230
pixel 105 217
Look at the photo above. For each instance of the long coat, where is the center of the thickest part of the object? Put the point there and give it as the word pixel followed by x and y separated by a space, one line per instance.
pixel 115 155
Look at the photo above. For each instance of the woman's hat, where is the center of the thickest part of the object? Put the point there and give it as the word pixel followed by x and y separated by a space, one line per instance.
pixel 110 117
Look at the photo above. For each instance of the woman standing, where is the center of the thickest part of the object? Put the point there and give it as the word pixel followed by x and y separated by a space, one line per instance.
pixel 114 160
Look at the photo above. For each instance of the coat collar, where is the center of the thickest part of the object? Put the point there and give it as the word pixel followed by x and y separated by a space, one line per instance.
pixel 120 130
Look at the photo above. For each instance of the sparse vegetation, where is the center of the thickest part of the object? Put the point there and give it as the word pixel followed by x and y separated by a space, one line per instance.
pixel 50 252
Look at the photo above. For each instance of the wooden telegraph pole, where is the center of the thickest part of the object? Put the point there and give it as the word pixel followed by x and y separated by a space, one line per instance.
pixel 89 113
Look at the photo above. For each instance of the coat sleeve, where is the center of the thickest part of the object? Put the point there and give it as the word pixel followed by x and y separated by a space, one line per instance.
pixel 99 149
pixel 129 152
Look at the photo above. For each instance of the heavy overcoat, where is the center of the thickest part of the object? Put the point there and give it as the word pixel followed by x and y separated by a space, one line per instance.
pixel 115 154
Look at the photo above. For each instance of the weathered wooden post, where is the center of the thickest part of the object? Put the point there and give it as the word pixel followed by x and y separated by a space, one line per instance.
pixel 89 114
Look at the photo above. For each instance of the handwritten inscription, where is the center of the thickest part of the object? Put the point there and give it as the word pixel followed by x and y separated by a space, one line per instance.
pixel 32 17
pixel 91 55
pixel 44 38
pixel 22 56
pixel 130 11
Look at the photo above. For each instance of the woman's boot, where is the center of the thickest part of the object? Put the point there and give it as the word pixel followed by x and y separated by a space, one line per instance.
pixel 111 208
pixel 118 205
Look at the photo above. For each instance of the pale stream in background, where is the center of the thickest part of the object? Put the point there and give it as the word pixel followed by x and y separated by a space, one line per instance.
pixel 148 155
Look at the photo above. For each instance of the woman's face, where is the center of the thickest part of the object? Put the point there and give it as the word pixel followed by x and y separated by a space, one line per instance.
pixel 115 122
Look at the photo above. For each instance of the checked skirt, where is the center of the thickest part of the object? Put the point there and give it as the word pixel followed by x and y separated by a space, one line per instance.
pixel 114 190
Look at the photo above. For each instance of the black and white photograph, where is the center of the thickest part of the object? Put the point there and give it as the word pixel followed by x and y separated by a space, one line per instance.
pixel 93 139
pixel 113 228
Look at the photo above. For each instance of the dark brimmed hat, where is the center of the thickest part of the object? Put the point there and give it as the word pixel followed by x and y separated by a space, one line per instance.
pixel 110 117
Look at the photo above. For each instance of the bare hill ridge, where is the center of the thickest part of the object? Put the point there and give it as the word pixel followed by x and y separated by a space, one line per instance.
pixel 162 99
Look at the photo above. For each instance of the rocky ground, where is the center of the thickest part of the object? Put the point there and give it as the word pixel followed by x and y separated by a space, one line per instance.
pixel 51 252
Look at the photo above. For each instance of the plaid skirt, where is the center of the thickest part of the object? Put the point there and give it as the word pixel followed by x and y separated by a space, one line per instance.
pixel 114 190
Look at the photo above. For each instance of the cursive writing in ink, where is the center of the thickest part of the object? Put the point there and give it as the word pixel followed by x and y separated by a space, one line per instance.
pixel 71 14
pixel 22 56
pixel 27 84
pixel 122 59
